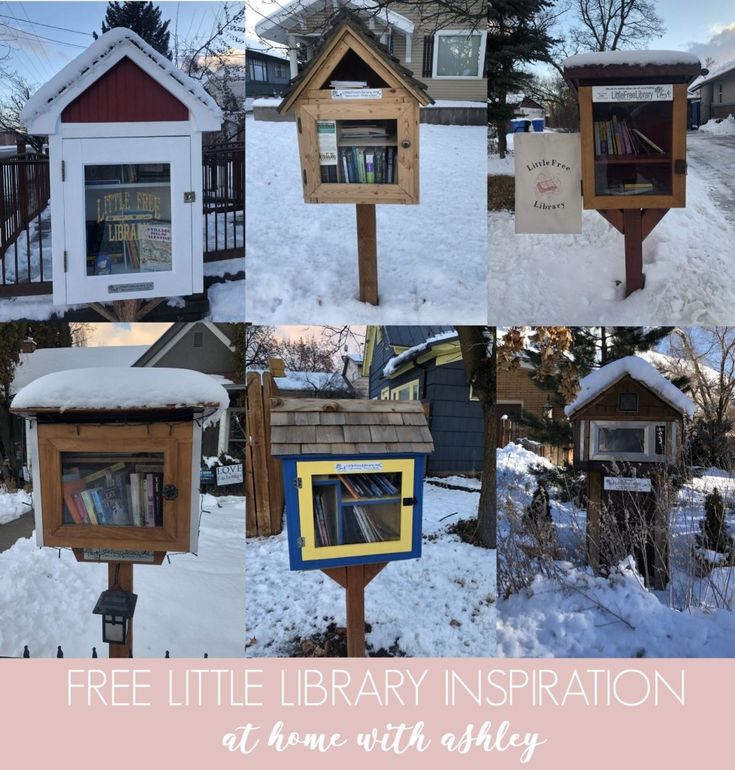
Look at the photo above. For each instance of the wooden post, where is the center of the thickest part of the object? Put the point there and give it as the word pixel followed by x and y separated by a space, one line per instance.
pixel 594 510
pixel 354 579
pixel 633 233
pixel 124 582
pixel 355 612
pixel 367 252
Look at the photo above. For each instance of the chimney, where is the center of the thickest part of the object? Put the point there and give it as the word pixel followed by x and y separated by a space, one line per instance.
pixel 28 345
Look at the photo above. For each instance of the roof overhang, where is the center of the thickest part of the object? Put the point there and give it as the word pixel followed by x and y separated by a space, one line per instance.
pixel 42 112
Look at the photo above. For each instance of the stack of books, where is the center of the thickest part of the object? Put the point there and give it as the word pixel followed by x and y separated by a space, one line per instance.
pixel 360 485
pixel 617 137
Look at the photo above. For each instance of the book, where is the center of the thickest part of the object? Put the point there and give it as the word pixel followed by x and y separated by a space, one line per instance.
pixel 327 139
pixel 648 141
pixel 369 167
pixel 348 83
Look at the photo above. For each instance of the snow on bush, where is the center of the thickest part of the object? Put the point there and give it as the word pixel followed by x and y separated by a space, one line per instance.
pixel 13 505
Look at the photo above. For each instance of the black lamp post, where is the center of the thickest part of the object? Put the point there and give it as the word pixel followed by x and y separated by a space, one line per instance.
pixel 116 607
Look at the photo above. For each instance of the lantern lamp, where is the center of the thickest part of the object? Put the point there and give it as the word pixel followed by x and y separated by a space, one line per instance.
pixel 116 608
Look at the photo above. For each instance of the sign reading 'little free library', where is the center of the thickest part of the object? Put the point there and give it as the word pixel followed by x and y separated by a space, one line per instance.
pixel 548 197
pixel 633 93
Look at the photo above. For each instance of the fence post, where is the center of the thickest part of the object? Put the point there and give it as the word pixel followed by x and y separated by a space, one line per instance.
pixel 22 184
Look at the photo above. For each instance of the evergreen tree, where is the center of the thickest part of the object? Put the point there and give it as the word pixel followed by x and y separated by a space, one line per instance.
pixel 714 535
pixel 144 19
pixel 515 37
pixel 11 339
pixel 591 347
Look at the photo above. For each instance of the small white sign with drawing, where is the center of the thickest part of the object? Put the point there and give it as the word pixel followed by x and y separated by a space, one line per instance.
pixel 363 467
pixel 229 474
pixel 620 484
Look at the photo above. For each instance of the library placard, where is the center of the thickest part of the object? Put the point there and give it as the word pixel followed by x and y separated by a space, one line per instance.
pixel 357 93
pixel 633 93
pixel 620 484
pixel 548 197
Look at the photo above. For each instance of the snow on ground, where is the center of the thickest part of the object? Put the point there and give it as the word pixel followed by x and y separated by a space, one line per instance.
pixel 577 614
pixel 190 606
pixel 13 505
pixel 690 278
pixel 441 605
pixel 227 301
pixel 302 258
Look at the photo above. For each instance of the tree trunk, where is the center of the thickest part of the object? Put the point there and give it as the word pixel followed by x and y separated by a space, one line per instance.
pixel 480 368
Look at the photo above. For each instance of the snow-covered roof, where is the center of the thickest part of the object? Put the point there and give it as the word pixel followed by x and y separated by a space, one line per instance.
pixel 41 112
pixel 44 361
pixel 286 20
pixel 630 58
pixel 115 389
pixel 397 361
pixel 599 381
pixel 714 73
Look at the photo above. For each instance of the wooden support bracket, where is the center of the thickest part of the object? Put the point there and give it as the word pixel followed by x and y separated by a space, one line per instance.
pixel 635 225
pixel 354 579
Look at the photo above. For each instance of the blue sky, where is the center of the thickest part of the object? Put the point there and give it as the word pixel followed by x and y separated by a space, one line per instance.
pixel 37 52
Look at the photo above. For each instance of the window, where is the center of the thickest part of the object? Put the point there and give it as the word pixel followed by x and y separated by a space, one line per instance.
pixel 628 402
pixel 281 72
pixel 719 91
pixel 385 394
pixel 458 54
pixel 257 70
pixel 407 392
pixel 627 440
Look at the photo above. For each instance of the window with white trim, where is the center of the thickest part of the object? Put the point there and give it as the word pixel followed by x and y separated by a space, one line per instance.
pixel 458 53
pixel 258 69
pixel 406 392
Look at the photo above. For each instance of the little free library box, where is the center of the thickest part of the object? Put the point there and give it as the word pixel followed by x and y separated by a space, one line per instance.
pixel 124 126
pixel 353 476
pixel 357 117
pixel 115 457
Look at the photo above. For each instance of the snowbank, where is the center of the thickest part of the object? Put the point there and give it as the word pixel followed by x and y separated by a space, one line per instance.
pixel 189 605
pixel 724 127
pixel 598 381
pixel 397 361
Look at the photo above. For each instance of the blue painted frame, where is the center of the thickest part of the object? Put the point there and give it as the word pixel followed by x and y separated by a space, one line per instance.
pixel 293 520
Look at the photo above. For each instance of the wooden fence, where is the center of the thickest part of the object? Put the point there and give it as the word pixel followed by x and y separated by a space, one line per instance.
pixel 263 474
pixel 511 433
pixel 25 232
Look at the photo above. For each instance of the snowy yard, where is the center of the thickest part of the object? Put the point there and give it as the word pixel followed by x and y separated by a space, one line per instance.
pixel 190 606
pixel 690 278
pixel 441 605
pixel 573 613
pixel 13 505
pixel 432 257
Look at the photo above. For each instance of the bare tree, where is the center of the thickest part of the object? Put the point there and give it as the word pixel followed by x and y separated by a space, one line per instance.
pixel 11 105
pixel 261 343
pixel 607 25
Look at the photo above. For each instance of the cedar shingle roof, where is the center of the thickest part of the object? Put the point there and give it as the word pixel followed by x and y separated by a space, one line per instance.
pixel 303 426
pixel 348 19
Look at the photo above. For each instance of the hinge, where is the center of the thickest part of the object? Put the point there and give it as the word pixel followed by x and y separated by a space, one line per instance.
pixel 304 173
pixel 65 262
pixel 297 483
pixel 298 123
pixel 301 542
pixel 190 197
pixel 680 167
pixel 409 501
pixel 581 187
pixel 63 171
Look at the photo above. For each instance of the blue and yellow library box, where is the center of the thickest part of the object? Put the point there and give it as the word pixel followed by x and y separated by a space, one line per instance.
pixel 353 473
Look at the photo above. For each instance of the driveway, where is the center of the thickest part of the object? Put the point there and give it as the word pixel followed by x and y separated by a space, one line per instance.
pixel 714 158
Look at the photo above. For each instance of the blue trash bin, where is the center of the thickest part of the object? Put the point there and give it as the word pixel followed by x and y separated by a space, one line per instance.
pixel 538 124
pixel 518 125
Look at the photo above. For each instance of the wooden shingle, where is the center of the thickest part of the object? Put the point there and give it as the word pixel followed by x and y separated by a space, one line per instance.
pixel 348 427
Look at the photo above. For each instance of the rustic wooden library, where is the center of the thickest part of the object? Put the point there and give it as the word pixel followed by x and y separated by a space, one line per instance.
pixel 633 115
pixel 628 427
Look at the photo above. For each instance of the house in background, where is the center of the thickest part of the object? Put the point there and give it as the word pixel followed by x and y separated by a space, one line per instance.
pixel 203 346
pixel 449 60
pixel 424 363
pixel 267 69
pixel 717 92
pixel 352 372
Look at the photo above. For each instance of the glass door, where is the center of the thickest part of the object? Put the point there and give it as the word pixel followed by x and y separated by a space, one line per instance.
pixel 128 228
